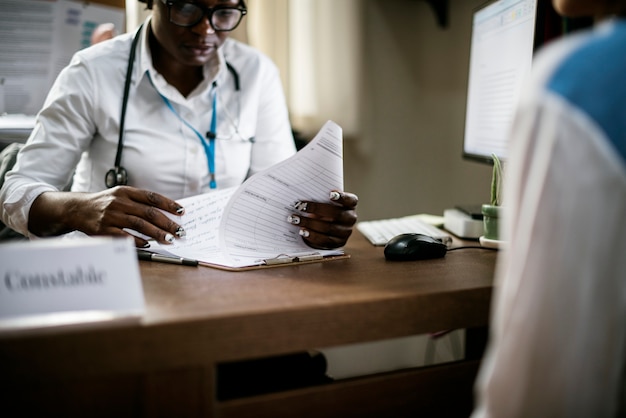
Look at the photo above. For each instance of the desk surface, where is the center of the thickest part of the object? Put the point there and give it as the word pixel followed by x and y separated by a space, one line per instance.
pixel 366 289
pixel 203 316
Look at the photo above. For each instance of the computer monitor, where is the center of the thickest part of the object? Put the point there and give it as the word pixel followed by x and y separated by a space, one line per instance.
pixel 501 52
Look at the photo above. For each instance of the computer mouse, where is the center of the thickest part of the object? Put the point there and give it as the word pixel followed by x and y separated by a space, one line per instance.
pixel 405 247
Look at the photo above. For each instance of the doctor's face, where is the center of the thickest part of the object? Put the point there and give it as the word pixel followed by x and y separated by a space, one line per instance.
pixel 186 30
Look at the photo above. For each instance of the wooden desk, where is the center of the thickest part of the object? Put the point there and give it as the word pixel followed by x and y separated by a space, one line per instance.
pixel 198 317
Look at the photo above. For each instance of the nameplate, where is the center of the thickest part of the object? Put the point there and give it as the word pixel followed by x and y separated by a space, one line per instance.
pixel 59 282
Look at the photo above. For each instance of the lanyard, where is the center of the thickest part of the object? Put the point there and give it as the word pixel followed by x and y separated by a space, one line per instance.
pixel 118 176
pixel 209 146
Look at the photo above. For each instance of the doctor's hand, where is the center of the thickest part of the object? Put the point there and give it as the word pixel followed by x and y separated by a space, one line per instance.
pixel 108 212
pixel 326 225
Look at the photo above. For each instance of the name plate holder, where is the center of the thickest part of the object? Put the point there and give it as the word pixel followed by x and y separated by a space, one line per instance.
pixel 56 283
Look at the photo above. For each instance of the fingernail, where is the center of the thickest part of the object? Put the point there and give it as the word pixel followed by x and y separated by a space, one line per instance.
pixel 180 210
pixel 169 238
pixel 293 219
pixel 304 233
pixel 180 232
pixel 335 195
pixel 301 206
pixel 146 245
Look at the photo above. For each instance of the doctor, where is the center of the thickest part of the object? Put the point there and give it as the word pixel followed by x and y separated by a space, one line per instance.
pixel 202 112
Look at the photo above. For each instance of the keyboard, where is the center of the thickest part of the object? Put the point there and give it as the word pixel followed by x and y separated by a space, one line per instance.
pixel 379 232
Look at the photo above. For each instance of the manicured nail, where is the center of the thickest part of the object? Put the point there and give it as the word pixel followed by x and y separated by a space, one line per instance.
pixel 146 245
pixel 304 233
pixel 301 206
pixel 180 232
pixel 293 219
pixel 335 195
pixel 169 238
pixel 180 210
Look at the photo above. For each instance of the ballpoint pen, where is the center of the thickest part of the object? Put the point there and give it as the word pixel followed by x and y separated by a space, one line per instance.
pixel 148 256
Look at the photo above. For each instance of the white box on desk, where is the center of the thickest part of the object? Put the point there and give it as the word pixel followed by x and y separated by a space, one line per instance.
pixel 461 224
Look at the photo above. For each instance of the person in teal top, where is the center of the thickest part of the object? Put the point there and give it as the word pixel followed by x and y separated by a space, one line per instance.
pixel 558 331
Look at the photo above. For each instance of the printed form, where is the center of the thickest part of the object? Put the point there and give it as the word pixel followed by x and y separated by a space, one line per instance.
pixel 247 225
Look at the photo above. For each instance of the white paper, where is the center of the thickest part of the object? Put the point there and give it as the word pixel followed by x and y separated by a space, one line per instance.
pixel 245 226
pixel 38 38
pixel 50 281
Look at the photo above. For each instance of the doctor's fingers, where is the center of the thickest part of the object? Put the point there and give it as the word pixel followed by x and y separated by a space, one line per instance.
pixel 121 211
pixel 321 240
pixel 326 211
pixel 149 198
pixel 345 199
pixel 322 227
pixel 161 229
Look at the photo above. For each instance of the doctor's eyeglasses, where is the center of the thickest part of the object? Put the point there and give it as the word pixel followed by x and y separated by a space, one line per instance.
pixel 222 18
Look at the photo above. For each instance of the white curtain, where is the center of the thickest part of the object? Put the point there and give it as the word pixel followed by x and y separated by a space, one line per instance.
pixel 316 45
pixel 135 14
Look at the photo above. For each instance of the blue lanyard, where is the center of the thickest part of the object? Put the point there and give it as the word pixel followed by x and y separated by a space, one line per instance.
pixel 209 146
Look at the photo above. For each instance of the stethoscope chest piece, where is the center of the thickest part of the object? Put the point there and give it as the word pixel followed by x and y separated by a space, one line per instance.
pixel 116 176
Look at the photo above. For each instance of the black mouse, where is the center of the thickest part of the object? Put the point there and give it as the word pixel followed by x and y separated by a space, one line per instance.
pixel 405 247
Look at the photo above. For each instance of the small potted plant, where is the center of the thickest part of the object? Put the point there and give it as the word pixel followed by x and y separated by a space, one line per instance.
pixel 491 211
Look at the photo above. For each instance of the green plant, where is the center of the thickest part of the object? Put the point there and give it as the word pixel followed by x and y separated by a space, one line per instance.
pixel 496 181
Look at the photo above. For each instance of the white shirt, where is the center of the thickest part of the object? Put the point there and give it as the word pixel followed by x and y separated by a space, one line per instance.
pixel 79 124
pixel 558 333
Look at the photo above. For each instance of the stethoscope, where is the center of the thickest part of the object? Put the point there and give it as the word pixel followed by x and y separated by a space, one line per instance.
pixel 118 176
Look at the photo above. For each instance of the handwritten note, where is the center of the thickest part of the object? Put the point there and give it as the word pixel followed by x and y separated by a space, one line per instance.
pixel 246 225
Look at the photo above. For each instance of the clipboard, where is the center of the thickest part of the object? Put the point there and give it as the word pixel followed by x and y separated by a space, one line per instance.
pixel 281 260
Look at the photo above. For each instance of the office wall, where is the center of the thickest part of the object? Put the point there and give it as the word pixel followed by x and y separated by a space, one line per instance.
pixel 407 158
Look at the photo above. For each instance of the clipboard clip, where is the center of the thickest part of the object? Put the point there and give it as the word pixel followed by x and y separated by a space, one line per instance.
pixel 285 258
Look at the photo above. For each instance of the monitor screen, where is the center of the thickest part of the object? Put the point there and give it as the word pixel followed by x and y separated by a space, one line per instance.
pixel 501 53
